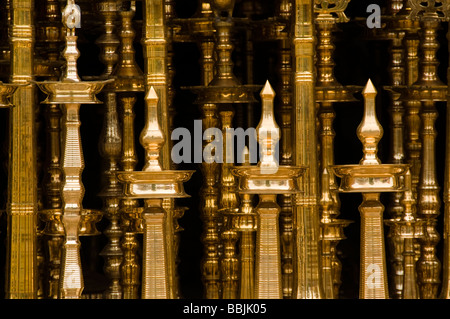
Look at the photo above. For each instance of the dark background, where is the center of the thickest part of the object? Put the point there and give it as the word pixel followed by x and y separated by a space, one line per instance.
pixel 358 57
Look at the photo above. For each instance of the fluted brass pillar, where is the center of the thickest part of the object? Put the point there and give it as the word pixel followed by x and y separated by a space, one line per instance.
pixel 268 267
pixel 155 45
pixel 21 278
pixel 306 209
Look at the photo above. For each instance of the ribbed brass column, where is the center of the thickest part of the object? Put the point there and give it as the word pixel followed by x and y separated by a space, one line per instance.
pixel 21 265
pixel 154 41
pixel 306 210
pixel 245 223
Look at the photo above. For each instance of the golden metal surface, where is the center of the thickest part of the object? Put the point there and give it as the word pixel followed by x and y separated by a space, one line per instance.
pixel 274 229
pixel 153 184
pixel 245 222
pixel 329 91
pixel 267 179
pixel 21 265
pixel 306 206
pixel 445 292
pixel 331 232
pixel 371 178
pixel 71 92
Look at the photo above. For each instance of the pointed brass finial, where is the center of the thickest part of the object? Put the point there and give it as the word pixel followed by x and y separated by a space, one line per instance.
pixel 267 92
pixel 369 131
pixel 268 132
pixel 152 137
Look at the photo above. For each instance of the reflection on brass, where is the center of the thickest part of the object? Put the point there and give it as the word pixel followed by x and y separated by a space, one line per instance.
pixel 21 207
pixel 429 89
pixel 267 179
pixel 71 92
pixel 408 229
pixel 278 226
pixel 306 206
pixel 153 184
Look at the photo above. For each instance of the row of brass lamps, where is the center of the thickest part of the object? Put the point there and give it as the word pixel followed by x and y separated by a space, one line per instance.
pixel 271 229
